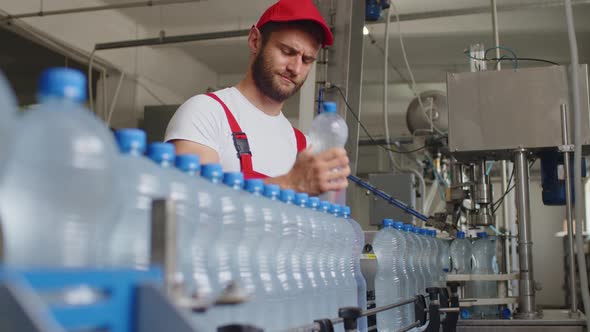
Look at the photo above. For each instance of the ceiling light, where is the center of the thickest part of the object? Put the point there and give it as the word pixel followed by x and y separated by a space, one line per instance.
pixel 365 30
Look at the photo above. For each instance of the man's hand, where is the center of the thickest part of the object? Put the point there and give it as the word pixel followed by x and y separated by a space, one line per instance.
pixel 316 174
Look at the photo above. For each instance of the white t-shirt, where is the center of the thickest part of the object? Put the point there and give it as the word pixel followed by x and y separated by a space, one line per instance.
pixel 201 119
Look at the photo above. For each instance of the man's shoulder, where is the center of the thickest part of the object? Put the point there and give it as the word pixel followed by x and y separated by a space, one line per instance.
pixel 202 103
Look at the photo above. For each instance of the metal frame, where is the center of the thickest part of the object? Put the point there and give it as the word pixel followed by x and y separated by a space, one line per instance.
pixel 345 67
pixel 526 298
pixel 171 40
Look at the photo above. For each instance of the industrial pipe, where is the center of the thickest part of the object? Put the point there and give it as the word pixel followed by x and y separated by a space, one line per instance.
pixel 568 212
pixel 171 39
pixel 578 195
pixel 388 198
pixel 526 298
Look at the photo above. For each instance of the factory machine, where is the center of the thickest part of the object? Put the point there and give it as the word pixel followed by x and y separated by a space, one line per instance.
pixel 515 117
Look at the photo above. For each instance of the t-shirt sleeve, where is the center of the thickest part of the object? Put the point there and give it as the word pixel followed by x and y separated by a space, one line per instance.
pixel 198 120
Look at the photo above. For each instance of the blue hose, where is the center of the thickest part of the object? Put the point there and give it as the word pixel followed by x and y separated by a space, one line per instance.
pixel 388 198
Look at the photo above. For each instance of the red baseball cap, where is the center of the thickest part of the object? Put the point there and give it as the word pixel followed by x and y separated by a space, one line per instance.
pixel 296 10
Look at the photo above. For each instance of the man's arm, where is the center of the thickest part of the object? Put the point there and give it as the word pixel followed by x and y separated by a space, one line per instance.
pixel 207 155
pixel 312 174
pixel 316 174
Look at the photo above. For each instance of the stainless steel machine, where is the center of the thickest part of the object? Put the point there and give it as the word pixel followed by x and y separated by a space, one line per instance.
pixel 511 115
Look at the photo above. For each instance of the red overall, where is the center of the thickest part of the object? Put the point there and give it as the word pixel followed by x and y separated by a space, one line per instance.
pixel 242 146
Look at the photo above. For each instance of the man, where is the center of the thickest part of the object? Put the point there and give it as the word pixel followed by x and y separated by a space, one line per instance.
pixel 243 128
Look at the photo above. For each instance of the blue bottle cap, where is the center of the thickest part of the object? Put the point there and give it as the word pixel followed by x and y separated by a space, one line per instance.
pixel 460 235
pixel 415 229
pixel 301 199
pixel 325 206
pixel 336 209
pixel 234 180
pixel 254 186
pixel 212 172
pixel 188 163
pixel 398 225
pixel 482 235
pixel 433 232
pixel 424 231
pixel 506 313
pixel 62 83
pixel 131 141
pixel 287 196
pixel 465 314
pixel 329 107
pixel 313 203
pixel 272 191
pixel 407 228
pixel 161 153
pixel 346 211
pixel 387 223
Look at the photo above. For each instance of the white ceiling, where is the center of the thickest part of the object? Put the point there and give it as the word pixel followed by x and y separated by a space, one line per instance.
pixel 434 46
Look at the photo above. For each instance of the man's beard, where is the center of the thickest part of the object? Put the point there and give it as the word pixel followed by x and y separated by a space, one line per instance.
pixel 265 80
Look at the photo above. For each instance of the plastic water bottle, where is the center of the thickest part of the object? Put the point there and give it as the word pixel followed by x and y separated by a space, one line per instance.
pixel 429 256
pixel 204 262
pixel 140 184
pixel 484 260
pixel 313 251
pixel 58 189
pixel 409 287
pixel 361 283
pixel 289 286
pixel 336 251
pixel 444 257
pixel 438 273
pixel 347 242
pixel 188 214
pixel 232 228
pixel 388 283
pixel 8 110
pixel 416 252
pixel 177 188
pixel 415 278
pixel 329 130
pixel 422 257
pixel 327 304
pixel 246 249
pixel 461 252
pixel 208 223
pixel 297 265
pixel 268 283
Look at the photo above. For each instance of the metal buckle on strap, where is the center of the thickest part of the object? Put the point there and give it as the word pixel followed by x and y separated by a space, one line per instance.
pixel 241 143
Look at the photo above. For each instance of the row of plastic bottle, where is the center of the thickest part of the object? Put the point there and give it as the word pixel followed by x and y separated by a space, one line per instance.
pixel 409 260
pixel 296 257
pixel 478 257
pixel 68 198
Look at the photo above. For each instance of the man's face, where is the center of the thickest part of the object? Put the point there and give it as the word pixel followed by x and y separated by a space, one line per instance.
pixel 281 67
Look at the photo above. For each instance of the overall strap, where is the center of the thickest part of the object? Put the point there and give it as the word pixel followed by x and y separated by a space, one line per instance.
pixel 241 142
pixel 301 140
pixel 239 137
